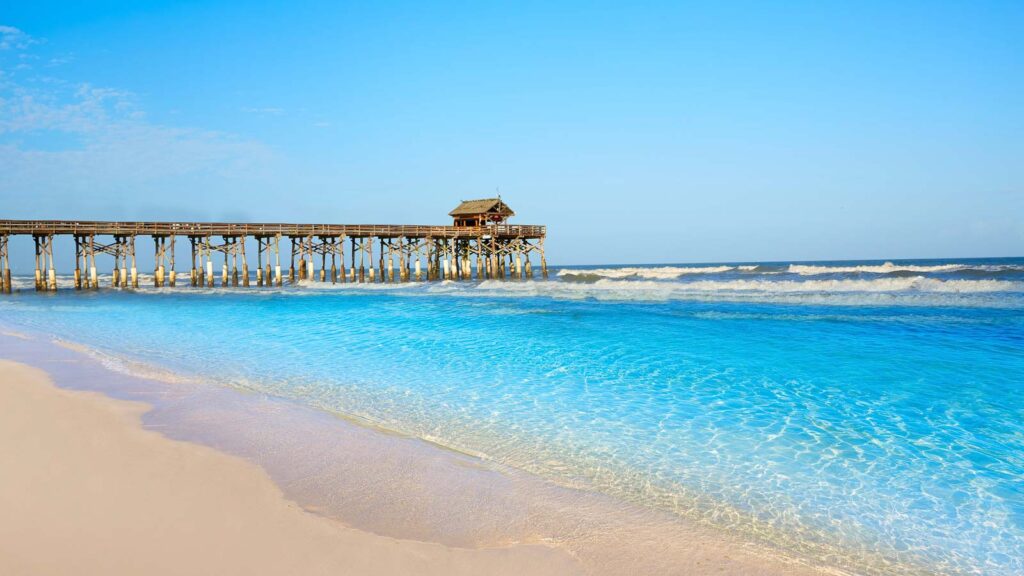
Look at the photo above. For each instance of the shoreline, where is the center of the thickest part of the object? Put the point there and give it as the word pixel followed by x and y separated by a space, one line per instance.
pixel 450 498
pixel 88 490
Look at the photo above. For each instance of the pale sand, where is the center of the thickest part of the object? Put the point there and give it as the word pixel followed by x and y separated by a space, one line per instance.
pixel 84 489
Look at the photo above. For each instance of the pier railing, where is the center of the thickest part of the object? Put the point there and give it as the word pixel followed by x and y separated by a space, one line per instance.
pixel 84 227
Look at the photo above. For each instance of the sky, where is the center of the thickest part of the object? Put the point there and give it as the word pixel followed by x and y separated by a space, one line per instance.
pixel 638 132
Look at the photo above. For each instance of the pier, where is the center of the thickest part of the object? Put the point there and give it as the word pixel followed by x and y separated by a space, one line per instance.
pixel 479 245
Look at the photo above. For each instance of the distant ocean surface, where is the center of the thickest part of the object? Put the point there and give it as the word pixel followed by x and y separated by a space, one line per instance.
pixel 838 409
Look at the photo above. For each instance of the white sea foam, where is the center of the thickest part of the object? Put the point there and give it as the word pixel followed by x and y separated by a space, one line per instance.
pixel 889 267
pixel 628 285
pixel 912 283
pixel 917 290
pixel 656 273
pixel 124 364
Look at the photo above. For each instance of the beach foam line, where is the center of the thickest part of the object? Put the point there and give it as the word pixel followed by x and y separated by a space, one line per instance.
pixel 581 284
pixel 660 272
pixel 124 365
pixel 885 291
pixel 901 284
pixel 910 290
pixel 890 268
pixel 913 283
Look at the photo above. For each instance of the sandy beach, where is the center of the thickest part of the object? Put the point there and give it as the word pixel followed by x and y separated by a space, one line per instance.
pixel 86 490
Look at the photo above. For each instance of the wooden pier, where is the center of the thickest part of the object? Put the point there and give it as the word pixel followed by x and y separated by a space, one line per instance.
pixel 481 245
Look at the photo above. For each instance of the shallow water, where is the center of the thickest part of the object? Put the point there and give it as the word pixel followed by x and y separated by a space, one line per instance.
pixel 843 411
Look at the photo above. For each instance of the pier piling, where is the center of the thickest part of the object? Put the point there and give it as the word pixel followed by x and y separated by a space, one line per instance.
pixel 78 262
pixel 5 266
pixel 173 275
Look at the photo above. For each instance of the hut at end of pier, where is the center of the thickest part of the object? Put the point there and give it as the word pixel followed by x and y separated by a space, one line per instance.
pixel 481 212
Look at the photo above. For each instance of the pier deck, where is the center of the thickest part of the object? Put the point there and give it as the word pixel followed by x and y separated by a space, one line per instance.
pixel 86 227
pixel 495 250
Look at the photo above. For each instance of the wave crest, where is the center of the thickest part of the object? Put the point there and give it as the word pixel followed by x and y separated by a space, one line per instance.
pixel 886 291
pixel 891 268
pixel 654 273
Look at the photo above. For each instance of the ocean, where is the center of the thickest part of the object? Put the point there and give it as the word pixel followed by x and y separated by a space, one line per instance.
pixel 841 410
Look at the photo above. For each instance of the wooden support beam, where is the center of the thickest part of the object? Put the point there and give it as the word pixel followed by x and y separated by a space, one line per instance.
pixel 261 246
pixel 291 268
pixel 492 259
pixel 389 260
pixel 115 273
pixel 445 267
pixel 245 263
pixel 309 258
pixel 404 255
pixel 52 275
pixel 78 262
pixel 430 259
pixel 39 273
pixel 528 268
pixel 323 260
pixel 224 275
pixel 357 244
pixel 124 263
pixel 543 261
pixel 208 251
pixel 230 250
pixel 173 277
pixel 5 266
pixel 369 247
pixel 93 276
pixel 157 261
pixel 332 242
pixel 467 263
pixel 278 279
pixel 194 273
pixel 341 255
pixel 134 269
pixel 519 259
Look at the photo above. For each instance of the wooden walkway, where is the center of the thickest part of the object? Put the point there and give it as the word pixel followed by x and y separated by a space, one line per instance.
pixel 403 252
pixel 85 227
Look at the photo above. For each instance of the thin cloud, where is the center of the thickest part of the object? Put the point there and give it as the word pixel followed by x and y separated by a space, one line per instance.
pixel 267 111
pixel 59 60
pixel 12 38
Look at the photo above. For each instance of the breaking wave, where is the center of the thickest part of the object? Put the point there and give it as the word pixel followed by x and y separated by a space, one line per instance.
pixel 891 268
pixel 589 275
pixel 912 291
pixel 971 284
pixel 654 273
pixel 912 283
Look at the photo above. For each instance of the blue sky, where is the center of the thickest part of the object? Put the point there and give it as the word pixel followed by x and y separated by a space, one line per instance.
pixel 638 132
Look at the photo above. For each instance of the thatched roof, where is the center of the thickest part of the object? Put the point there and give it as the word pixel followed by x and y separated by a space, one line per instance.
pixel 483 206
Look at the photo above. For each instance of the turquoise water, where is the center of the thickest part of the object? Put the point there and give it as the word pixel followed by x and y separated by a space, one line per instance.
pixel 858 411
